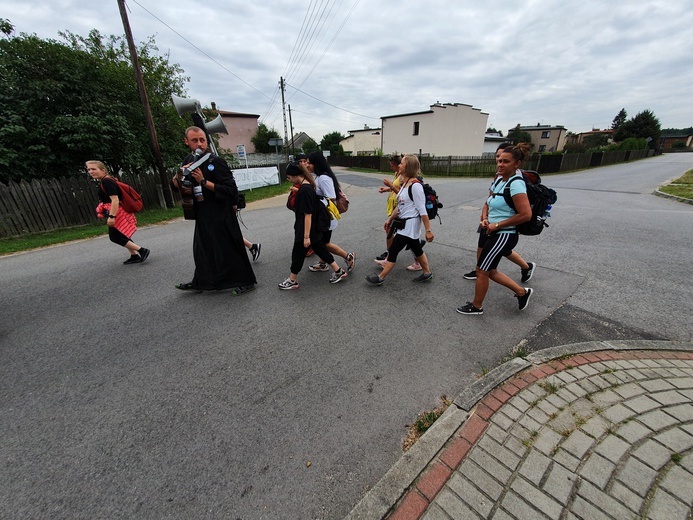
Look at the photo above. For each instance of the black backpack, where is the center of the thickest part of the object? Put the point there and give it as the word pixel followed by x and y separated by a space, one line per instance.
pixel 431 197
pixel 540 199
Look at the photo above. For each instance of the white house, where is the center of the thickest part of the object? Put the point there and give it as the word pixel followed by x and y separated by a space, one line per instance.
pixel 446 129
pixel 362 142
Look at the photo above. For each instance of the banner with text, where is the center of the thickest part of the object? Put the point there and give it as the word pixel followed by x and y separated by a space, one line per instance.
pixel 256 177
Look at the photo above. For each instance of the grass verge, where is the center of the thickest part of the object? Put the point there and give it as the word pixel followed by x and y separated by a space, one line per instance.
pixel 144 218
pixel 681 187
pixel 423 422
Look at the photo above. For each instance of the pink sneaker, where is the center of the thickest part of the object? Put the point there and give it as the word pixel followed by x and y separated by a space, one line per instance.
pixel 416 266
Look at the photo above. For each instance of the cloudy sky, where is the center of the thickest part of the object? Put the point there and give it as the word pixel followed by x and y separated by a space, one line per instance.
pixel 349 62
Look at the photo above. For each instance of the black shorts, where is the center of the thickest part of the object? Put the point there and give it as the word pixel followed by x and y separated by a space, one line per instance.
pixel 495 247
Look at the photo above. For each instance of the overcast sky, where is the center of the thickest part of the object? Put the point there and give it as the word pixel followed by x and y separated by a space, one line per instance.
pixel 350 62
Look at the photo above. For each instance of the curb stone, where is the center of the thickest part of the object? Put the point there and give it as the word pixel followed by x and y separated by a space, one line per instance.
pixel 397 490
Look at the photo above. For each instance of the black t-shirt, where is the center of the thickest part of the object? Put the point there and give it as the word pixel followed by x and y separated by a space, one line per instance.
pixel 108 187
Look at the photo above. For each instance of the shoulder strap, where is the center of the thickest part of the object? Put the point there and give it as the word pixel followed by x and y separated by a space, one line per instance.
pixel 506 193
pixel 412 184
pixel 114 181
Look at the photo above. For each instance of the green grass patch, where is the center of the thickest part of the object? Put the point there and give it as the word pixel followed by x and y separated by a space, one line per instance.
pixel 144 218
pixel 681 187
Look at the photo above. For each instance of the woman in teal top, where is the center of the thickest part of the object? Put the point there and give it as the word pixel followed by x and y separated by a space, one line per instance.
pixel 499 224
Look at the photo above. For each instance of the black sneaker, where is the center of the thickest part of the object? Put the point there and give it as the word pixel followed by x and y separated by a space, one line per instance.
pixel 524 300
pixel 381 257
pixel 471 275
pixel 255 251
pixel 423 277
pixel 144 254
pixel 528 273
pixel 134 259
pixel 374 279
pixel 469 309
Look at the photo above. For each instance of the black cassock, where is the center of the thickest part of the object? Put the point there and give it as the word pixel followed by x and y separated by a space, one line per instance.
pixel 221 258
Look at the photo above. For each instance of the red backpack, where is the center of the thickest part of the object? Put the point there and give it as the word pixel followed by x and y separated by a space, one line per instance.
pixel 130 200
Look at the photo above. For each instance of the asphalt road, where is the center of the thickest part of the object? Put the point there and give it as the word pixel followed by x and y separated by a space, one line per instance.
pixel 121 397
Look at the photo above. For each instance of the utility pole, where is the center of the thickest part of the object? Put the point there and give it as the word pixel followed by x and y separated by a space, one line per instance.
pixel 286 136
pixel 153 139
pixel 291 126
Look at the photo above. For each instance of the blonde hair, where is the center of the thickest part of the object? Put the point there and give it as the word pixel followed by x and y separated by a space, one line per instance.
pixel 412 167
pixel 99 165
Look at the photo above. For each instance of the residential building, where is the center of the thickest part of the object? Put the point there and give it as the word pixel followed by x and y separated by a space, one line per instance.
pixel 445 129
pixel 491 142
pixel 241 127
pixel 300 139
pixel 593 136
pixel 669 140
pixel 362 142
pixel 545 138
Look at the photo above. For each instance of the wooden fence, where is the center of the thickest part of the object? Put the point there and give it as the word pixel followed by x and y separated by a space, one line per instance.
pixel 47 204
pixel 483 167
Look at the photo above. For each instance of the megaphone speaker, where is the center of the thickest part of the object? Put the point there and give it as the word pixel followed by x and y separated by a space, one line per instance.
pixel 185 105
pixel 216 126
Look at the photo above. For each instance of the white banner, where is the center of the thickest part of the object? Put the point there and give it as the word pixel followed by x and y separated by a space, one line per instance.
pixel 256 177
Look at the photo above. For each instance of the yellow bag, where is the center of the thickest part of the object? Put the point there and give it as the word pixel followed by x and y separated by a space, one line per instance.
pixel 332 210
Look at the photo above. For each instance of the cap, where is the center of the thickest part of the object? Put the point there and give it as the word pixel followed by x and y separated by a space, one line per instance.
pixel 301 156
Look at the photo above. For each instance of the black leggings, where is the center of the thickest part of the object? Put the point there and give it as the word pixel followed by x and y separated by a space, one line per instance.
pixel 117 237
pixel 399 243
pixel 298 255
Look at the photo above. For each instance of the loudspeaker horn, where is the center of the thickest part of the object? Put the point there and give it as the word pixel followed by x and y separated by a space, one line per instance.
pixel 216 126
pixel 185 105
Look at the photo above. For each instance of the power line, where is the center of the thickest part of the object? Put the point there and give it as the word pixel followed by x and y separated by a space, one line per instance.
pixel 197 48
pixel 330 104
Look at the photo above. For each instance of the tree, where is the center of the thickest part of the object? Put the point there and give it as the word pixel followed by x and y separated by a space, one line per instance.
pixel 619 119
pixel 494 131
pixel 595 140
pixel 64 103
pixel 331 142
pixel 519 136
pixel 261 138
pixel 644 125
pixel 6 27
pixel 310 146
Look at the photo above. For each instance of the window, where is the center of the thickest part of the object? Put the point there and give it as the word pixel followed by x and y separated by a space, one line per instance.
pixel 545 135
pixel 416 128
pixel 542 147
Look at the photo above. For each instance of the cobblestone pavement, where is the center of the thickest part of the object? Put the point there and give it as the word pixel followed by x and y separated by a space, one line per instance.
pixel 587 431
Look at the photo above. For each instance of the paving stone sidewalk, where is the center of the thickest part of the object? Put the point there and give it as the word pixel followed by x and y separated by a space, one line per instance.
pixel 591 430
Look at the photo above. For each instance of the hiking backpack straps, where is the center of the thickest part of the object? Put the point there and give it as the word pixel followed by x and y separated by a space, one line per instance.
pixel 430 199
pixel 540 199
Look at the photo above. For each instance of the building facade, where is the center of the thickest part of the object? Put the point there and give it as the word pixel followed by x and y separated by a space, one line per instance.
pixel 362 142
pixel 242 128
pixel 445 129
pixel 545 138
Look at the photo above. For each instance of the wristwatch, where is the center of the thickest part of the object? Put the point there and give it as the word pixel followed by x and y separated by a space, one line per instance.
pixel 111 216
pixel 203 182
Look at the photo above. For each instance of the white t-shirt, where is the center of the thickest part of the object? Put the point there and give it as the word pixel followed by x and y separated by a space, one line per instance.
pixel 411 209
pixel 324 187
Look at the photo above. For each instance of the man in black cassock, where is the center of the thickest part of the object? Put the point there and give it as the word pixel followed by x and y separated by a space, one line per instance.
pixel 221 259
